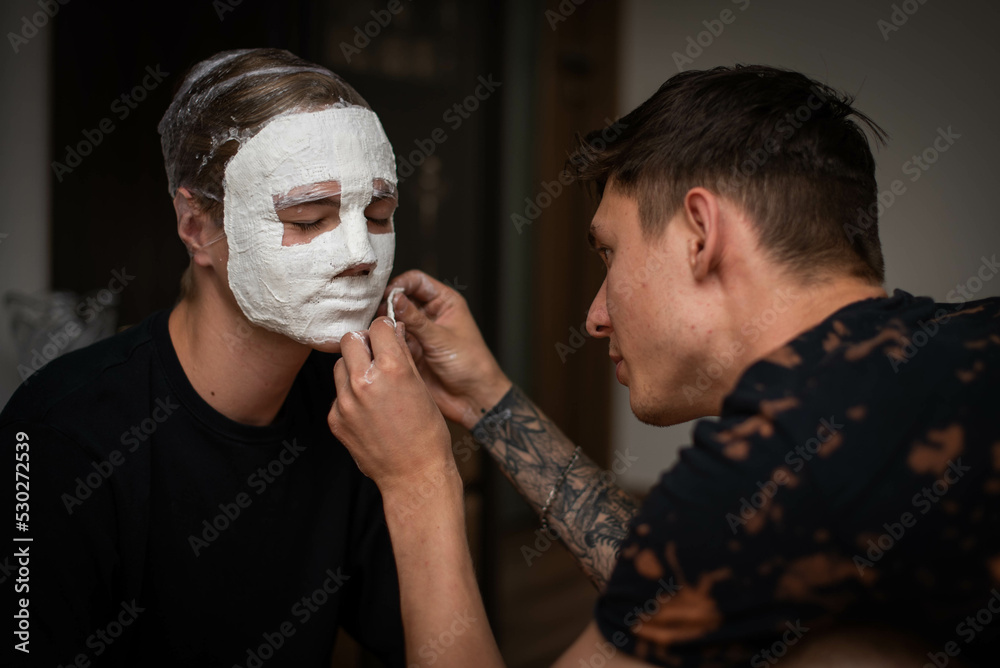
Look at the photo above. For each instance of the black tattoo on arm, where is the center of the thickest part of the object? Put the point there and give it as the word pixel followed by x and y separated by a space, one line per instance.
pixel 588 512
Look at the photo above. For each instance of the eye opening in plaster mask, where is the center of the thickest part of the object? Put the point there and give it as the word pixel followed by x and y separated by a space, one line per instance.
pixel 310 210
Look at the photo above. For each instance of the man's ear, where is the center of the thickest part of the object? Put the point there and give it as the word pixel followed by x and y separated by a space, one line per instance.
pixel 195 227
pixel 701 216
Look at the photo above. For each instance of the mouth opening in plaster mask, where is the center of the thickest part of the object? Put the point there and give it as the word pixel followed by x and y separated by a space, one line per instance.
pixel 309 205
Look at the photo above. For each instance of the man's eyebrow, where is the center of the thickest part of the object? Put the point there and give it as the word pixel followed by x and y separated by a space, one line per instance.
pixel 592 236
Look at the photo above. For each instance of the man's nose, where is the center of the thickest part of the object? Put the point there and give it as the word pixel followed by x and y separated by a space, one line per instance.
pixel 362 269
pixel 598 322
pixel 357 245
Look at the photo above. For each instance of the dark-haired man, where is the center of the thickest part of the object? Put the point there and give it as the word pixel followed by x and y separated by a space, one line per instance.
pixel 854 474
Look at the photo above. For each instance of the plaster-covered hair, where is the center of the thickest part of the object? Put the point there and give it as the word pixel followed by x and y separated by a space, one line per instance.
pixel 225 100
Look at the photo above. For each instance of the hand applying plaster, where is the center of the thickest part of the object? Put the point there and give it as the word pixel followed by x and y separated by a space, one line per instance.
pixel 399 439
pixel 460 372
pixel 384 414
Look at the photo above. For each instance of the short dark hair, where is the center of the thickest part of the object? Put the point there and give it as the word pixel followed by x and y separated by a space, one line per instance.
pixel 780 144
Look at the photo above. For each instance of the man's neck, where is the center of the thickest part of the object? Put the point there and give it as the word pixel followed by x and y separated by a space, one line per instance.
pixel 796 309
pixel 242 371
pixel 808 306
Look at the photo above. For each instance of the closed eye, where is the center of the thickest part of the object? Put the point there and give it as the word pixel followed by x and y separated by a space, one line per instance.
pixel 306 227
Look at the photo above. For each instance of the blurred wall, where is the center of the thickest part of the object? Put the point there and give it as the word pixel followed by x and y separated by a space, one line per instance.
pixel 24 195
pixel 912 73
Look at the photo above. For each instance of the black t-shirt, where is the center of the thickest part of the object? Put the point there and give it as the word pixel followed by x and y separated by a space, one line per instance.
pixel 165 534
pixel 854 475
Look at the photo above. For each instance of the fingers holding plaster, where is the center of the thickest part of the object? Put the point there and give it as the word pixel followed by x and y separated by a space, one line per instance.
pixel 418 285
pixel 417 321
pixel 385 339
pixel 390 307
pixel 356 352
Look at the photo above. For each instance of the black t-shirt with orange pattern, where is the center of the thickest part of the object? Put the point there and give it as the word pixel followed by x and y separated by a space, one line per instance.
pixel 854 475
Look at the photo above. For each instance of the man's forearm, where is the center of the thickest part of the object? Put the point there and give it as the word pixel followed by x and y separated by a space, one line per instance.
pixel 439 596
pixel 589 514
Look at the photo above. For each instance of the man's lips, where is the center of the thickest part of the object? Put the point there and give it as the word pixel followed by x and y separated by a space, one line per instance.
pixel 617 360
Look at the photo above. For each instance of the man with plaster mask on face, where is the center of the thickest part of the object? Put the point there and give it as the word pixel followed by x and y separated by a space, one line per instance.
pixel 236 530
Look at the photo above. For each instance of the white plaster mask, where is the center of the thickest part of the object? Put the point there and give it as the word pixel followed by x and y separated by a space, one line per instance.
pixel 292 289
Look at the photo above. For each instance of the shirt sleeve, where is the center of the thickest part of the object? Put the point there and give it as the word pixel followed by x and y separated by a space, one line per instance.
pixel 66 572
pixel 732 549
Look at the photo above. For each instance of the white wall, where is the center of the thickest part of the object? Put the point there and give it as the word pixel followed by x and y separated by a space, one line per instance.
pixel 938 70
pixel 24 175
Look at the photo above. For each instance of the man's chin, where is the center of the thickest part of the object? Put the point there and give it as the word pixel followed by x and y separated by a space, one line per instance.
pixel 670 411
pixel 328 347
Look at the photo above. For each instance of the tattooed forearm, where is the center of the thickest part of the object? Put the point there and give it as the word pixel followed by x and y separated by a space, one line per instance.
pixel 588 512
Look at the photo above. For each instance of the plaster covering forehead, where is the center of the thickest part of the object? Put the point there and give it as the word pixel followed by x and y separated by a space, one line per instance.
pixel 293 289
pixel 197 112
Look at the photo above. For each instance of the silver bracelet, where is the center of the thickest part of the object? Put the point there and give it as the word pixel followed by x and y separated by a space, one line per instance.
pixel 555 487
